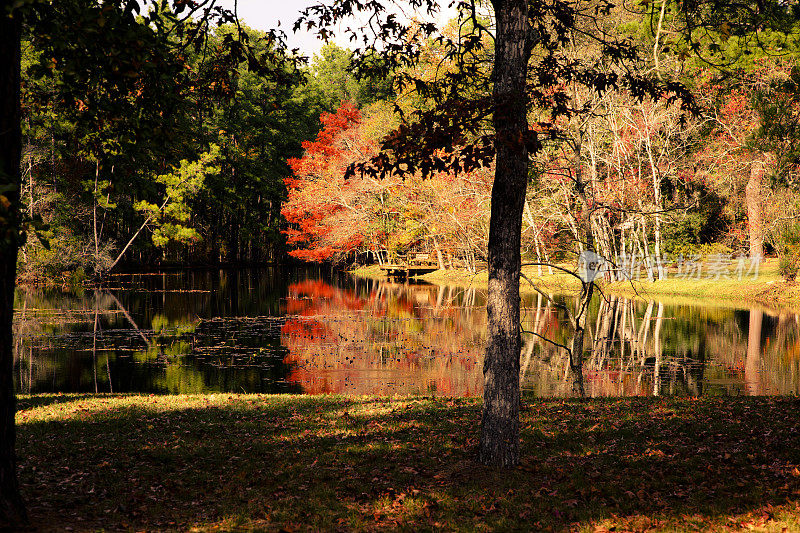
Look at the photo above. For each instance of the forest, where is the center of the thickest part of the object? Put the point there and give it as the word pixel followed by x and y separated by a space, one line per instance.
pixel 255 168
pixel 105 193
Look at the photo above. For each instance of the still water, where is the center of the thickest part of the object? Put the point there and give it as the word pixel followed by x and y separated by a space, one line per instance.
pixel 315 331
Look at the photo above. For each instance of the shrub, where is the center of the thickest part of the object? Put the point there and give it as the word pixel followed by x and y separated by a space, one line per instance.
pixel 788 248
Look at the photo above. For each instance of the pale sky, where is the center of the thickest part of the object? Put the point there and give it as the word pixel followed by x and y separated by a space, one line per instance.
pixel 265 14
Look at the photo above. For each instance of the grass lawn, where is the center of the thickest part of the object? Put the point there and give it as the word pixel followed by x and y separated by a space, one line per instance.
pixel 272 463
pixel 768 288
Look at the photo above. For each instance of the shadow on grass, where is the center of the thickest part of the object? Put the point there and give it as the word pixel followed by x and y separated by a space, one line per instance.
pixel 329 463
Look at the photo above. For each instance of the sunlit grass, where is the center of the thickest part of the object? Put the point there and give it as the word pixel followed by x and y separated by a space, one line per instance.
pixel 767 287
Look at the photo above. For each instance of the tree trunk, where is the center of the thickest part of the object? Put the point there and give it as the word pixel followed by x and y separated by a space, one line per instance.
pixel 12 510
pixel 499 443
pixel 583 232
pixel 439 258
pixel 94 216
pixel 755 221
pixel 576 352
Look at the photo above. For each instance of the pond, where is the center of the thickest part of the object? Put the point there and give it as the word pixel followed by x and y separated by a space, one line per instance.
pixel 313 331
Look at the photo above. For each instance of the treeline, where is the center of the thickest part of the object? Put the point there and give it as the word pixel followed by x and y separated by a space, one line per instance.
pixel 179 161
pixel 206 156
pixel 635 179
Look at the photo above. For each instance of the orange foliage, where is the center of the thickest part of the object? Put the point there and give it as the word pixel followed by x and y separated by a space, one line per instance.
pixel 330 216
pixel 317 190
pixel 342 341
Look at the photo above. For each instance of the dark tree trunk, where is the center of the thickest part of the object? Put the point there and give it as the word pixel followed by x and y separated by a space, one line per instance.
pixel 12 511
pixel 576 353
pixel 499 444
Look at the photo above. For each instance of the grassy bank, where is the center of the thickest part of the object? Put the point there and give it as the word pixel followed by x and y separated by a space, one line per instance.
pixel 371 272
pixel 556 282
pixel 243 462
pixel 768 288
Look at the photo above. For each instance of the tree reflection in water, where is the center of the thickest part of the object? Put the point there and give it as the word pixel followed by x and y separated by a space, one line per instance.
pixel 308 332
pixel 396 339
pixel 400 338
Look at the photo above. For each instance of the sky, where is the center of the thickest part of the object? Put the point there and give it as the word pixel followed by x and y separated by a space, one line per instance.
pixel 265 14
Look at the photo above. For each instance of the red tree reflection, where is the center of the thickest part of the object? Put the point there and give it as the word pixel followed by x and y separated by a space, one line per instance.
pixel 393 339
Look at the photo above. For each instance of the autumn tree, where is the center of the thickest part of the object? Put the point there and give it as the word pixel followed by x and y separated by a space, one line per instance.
pixel 329 216
pixel 730 54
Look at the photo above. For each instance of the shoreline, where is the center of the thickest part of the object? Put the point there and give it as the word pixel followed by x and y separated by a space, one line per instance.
pixel 768 289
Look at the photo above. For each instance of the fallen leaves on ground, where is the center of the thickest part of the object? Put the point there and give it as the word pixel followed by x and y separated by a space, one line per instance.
pixel 231 462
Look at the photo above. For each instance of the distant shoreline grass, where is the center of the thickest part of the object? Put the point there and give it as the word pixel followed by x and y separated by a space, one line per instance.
pixel 767 289
pixel 226 462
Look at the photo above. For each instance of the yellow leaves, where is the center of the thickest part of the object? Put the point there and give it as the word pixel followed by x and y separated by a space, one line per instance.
pixel 5 203
pixel 725 30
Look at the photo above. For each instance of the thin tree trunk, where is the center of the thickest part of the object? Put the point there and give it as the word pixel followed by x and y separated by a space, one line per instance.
pixel 30 184
pixel 656 175
pixel 439 259
pixel 144 225
pixel 755 219
pixel 538 255
pixel 649 263
pixel 94 215
pixel 528 217
pixel 12 510
pixel 499 442
pixel 583 228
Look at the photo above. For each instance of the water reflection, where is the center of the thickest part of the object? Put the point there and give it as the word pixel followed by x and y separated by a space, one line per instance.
pixel 649 348
pixel 210 331
pixel 393 339
pixel 313 331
